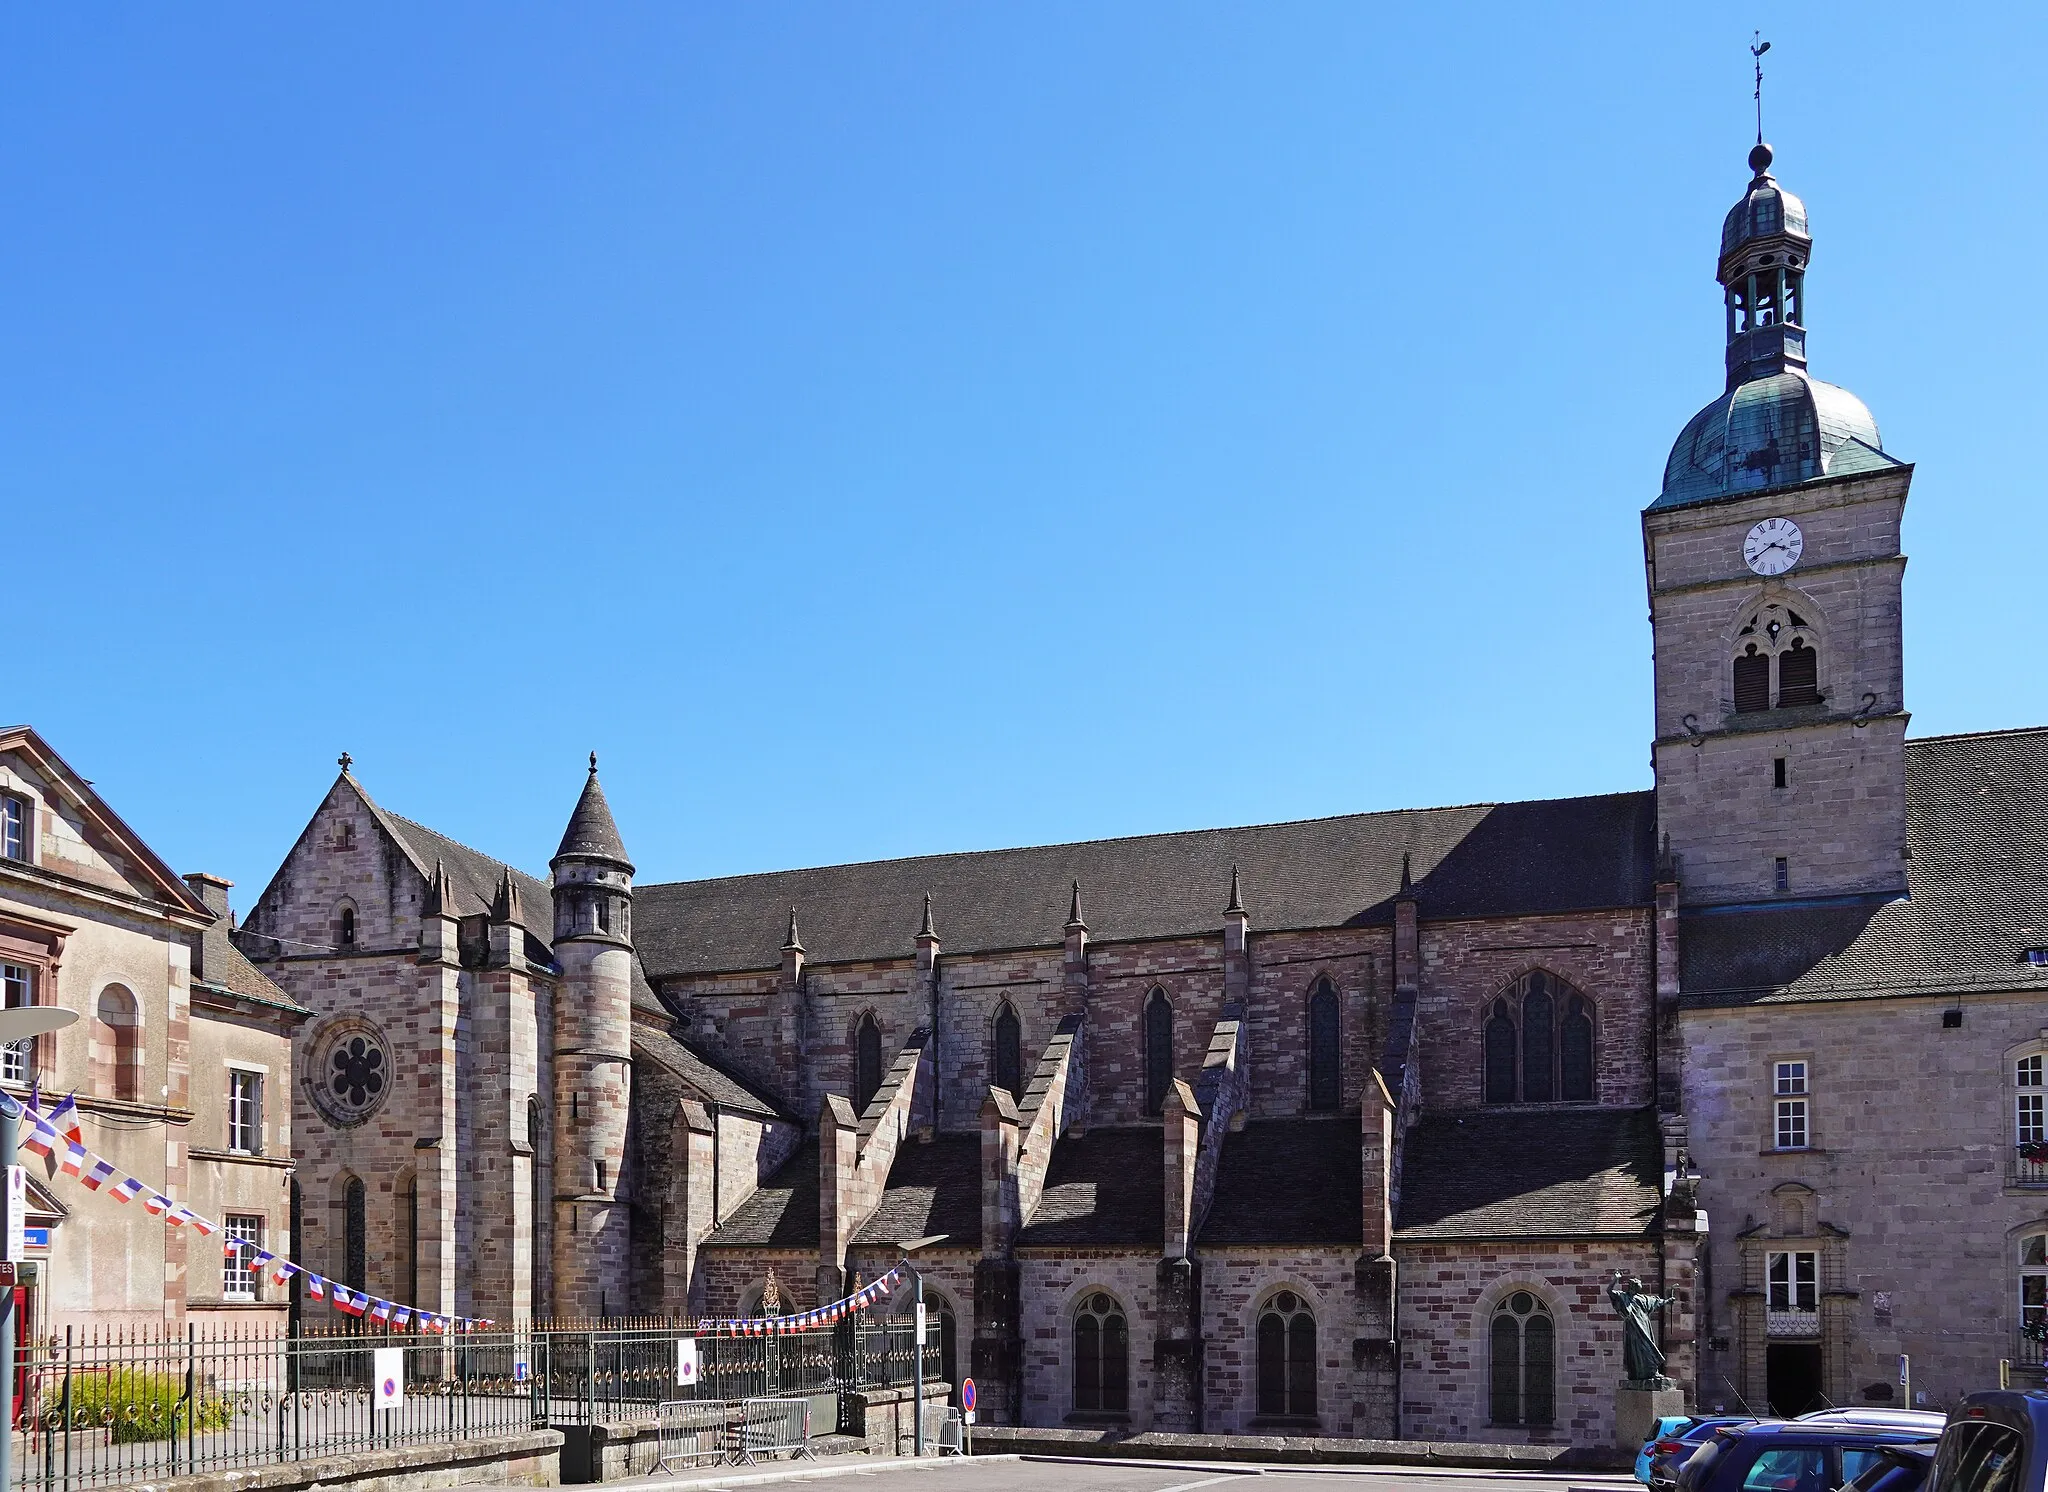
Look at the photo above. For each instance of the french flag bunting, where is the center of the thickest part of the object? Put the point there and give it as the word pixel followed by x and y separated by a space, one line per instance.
pixel 348 1301
pixel 381 1312
pixel 402 1317
pixel 73 1163
pixel 315 1286
pixel 127 1189
pixel 42 1136
pixel 205 1227
pixel 101 1173
pixel 232 1247
pixel 156 1204
pixel 64 1119
pixel 284 1271
pixel 430 1322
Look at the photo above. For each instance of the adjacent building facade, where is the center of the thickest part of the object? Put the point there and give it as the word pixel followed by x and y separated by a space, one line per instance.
pixel 1336 1127
pixel 180 1061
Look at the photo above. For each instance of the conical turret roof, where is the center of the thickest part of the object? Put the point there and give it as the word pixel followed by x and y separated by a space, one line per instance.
pixel 591 832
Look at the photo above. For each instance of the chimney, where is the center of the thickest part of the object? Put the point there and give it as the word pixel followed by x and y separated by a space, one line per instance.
pixel 1183 1139
pixel 212 890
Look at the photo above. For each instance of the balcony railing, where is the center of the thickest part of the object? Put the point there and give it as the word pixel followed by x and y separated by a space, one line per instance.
pixel 2027 1165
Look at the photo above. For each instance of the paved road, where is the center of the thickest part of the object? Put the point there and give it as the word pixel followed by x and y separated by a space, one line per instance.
pixel 1004 1475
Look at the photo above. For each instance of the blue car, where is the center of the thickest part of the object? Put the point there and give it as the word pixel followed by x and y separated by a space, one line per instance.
pixel 1664 1427
pixel 1997 1442
pixel 1674 1450
pixel 1793 1456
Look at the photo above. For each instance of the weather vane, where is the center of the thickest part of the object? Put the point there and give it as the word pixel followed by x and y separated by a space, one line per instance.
pixel 1757 47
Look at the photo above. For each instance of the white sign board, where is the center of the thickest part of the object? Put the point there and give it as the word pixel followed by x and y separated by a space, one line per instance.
pixel 387 1370
pixel 968 1416
pixel 17 1212
pixel 920 1323
pixel 686 1361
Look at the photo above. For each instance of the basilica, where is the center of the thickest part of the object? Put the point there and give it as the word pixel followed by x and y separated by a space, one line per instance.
pixel 1339 1127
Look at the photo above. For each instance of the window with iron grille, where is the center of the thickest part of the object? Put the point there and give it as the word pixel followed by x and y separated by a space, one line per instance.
pixel 245 1112
pixel 18 984
pixel 241 1274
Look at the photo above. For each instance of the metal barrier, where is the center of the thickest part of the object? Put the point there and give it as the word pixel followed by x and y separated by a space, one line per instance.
pixel 691 1432
pixel 771 1425
pixel 946 1438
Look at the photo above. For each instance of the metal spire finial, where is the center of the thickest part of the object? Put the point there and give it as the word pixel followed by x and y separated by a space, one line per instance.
pixel 593 764
pixel 1757 47
pixel 344 761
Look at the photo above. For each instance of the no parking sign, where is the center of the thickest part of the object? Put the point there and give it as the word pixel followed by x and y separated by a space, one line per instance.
pixel 387 1368
pixel 686 1361
pixel 967 1398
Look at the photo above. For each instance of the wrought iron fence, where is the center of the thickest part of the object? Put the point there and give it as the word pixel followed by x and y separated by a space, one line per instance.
pixel 114 1408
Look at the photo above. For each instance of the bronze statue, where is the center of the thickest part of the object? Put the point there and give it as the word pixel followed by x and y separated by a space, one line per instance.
pixel 1638 1311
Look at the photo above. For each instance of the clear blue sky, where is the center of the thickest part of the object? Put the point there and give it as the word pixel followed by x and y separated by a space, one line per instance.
pixel 897 427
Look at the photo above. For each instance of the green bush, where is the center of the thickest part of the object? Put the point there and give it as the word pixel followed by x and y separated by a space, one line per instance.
pixel 134 1406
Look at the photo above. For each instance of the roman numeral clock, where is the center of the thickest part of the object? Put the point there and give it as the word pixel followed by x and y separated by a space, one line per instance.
pixel 1773 546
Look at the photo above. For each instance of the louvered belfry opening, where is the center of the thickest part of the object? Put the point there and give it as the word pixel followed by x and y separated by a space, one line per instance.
pixel 1752 681
pixel 1798 675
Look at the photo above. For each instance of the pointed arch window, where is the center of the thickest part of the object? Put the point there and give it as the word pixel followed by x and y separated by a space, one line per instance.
pixel 1522 1343
pixel 1008 1066
pixel 1102 1356
pixel 1325 1052
pixel 1798 675
pixel 355 1230
pixel 1158 1049
pixel 1538 1044
pixel 348 927
pixel 867 1063
pixel 1287 1358
pixel 1752 680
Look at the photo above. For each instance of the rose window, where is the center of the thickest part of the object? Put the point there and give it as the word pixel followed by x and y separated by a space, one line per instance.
pixel 351 1074
pixel 358 1072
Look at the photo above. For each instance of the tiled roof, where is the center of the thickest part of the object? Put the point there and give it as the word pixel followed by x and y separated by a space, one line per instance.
pixel 1531 1173
pixel 711 1081
pixel 1289 1181
pixel 933 1188
pixel 475 874
pixel 221 965
pixel 592 830
pixel 1556 855
pixel 1977 829
pixel 782 1212
pixel 1107 1188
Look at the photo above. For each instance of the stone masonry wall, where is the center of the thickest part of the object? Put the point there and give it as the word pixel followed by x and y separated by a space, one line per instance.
pixel 1051 1286
pixel 1236 1283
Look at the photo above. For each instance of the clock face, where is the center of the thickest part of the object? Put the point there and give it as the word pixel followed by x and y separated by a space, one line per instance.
pixel 1773 546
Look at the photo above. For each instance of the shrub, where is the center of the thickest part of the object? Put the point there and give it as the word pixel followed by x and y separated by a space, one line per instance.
pixel 133 1405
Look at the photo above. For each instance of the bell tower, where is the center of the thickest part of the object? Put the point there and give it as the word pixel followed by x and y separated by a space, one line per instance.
pixel 1774 575
pixel 593 1054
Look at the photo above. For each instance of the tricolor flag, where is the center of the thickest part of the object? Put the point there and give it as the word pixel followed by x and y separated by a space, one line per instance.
pixel 284 1271
pixel 402 1317
pixel 430 1322
pixel 101 1173
pixel 203 1226
pixel 127 1189
pixel 346 1300
pixel 157 1204
pixel 381 1312
pixel 42 1136
pixel 232 1247
pixel 74 1159
pixel 315 1286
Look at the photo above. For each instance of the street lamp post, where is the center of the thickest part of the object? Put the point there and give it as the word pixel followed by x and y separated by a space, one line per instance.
pixel 20 1024
pixel 909 1247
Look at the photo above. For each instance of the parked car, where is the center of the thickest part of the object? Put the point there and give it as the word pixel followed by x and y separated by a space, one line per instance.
pixel 1665 1456
pixel 1663 1428
pixel 1790 1455
pixel 1996 1442
pixel 1898 1468
pixel 1930 1421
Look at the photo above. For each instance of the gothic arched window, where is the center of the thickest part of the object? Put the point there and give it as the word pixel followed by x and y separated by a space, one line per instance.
pixel 1008 1066
pixel 1522 1342
pixel 1798 675
pixel 1752 680
pixel 348 927
pixel 1537 1044
pixel 1158 1049
pixel 355 1226
pixel 1287 1358
pixel 867 1063
pixel 1102 1357
pixel 1325 1057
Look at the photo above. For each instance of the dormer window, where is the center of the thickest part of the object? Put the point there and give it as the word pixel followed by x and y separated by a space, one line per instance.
pixel 15 819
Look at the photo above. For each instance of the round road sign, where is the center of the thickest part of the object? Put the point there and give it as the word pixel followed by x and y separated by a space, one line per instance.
pixel 967 1393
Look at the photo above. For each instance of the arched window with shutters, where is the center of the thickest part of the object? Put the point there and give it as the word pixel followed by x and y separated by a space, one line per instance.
pixel 1325 1046
pixel 1522 1354
pixel 1538 1044
pixel 1102 1356
pixel 1007 1066
pixel 867 1062
pixel 1798 675
pixel 1752 680
pixel 1287 1358
pixel 1776 640
pixel 1158 1049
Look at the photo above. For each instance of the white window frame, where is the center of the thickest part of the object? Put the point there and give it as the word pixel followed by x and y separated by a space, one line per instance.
pixel 1795 1273
pixel 1791 1115
pixel 17 988
pixel 241 1276
pixel 17 828
pixel 245 1111
pixel 2030 1100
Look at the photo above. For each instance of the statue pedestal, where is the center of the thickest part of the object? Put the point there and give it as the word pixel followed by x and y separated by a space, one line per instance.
pixel 1638 1406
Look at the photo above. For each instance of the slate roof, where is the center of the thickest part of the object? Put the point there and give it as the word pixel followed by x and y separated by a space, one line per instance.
pixel 1555 855
pixel 1289 1181
pixel 1977 828
pixel 474 873
pixel 933 1188
pixel 1104 1188
pixel 654 1044
pixel 782 1212
pixel 220 965
pixel 1531 1173
pixel 592 830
